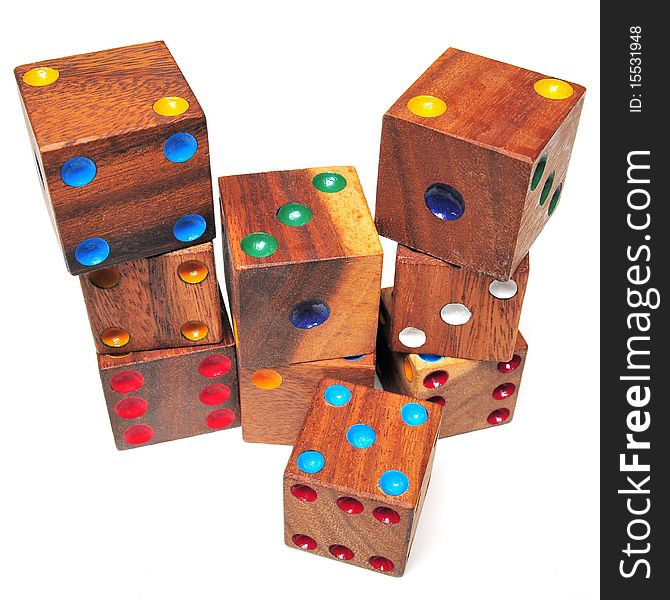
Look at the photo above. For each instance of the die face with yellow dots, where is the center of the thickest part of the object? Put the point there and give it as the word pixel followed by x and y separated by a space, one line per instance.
pixel 358 475
pixel 474 394
pixel 473 160
pixel 122 155
pixel 167 301
pixel 163 395
pixel 303 261
pixel 275 400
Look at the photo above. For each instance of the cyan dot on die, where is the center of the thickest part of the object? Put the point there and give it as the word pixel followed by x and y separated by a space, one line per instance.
pixel 310 461
pixel 337 395
pixel 78 171
pixel 414 414
pixel 361 436
pixel 189 228
pixel 92 252
pixel 394 483
pixel 444 201
pixel 180 147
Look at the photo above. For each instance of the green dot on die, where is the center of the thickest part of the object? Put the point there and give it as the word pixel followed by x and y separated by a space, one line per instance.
pixel 294 214
pixel 554 199
pixel 329 182
pixel 547 188
pixel 259 244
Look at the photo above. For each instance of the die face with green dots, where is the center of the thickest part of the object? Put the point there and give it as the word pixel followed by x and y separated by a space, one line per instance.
pixel 471 156
pixel 358 474
pixel 302 259
pixel 120 145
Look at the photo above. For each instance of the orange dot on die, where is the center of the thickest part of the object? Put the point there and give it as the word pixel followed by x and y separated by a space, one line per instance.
pixel 105 279
pixel 192 271
pixel 194 330
pixel 115 337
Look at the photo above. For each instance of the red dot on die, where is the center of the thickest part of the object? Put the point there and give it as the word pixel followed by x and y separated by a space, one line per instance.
pixel 434 380
pixel 341 552
pixel 126 382
pixel 386 515
pixel 498 416
pixel 382 564
pixel 509 366
pixel 220 418
pixel 215 365
pixel 304 541
pixel 138 434
pixel 437 400
pixel 304 493
pixel 131 408
pixel 350 506
pixel 217 393
pixel 504 390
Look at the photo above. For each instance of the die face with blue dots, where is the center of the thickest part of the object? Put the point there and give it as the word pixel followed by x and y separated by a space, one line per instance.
pixel 465 155
pixel 302 255
pixel 358 475
pixel 125 166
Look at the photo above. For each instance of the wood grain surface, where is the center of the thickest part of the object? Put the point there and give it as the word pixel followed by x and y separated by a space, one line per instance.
pixel 424 285
pixel 354 472
pixel 152 302
pixel 172 388
pixel 336 258
pixel 275 416
pixel 101 107
pixel 468 390
pixel 486 145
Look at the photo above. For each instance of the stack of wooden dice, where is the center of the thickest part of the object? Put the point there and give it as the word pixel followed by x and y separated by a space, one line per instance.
pixel 473 159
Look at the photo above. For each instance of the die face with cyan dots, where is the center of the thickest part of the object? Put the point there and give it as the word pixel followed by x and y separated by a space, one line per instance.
pixel 474 394
pixel 167 301
pixel 358 474
pixel 439 308
pixel 120 143
pixel 163 395
pixel 473 160
pixel 303 261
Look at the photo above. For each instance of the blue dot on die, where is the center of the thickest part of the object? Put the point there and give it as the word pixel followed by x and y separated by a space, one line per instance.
pixel 310 461
pixel 309 314
pixel 414 414
pixel 337 395
pixel 78 171
pixel 394 483
pixel 430 357
pixel 444 201
pixel 180 147
pixel 92 252
pixel 361 436
pixel 189 228
pixel 352 358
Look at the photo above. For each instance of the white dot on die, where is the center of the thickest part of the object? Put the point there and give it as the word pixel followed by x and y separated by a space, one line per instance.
pixel 455 314
pixel 504 290
pixel 412 337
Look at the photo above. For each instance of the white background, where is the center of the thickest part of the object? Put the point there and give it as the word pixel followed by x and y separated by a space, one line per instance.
pixel 511 513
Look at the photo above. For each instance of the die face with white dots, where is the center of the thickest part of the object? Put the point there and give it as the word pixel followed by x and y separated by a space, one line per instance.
pixel 121 148
pixel 458 312
pixel 366 456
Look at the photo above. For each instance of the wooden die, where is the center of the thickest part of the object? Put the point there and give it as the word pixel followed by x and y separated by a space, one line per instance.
pixel 166 301
pixel 473 160
pixel 162 395
pixel 439 308
pixel 120 143
pixel 275 400
pixel 303 265
pixel 358 474
pixel 475 394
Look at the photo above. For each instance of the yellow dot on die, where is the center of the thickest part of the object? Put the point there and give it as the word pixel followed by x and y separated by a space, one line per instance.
pixel 427 106
pixel 193 271
pixel 266 379
pixel 40 76
pixel 194 330
pixel 554 89
pixel 115 337
pixel 407 367
pixel 170 106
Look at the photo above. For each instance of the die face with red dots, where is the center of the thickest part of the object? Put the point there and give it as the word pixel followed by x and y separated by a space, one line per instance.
pixel 162 395
pixel 166 301
pixel 465 155
pixel 358 475
pixel 302 258
pixel 475 394
pixel 120 143
pixel 460 312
